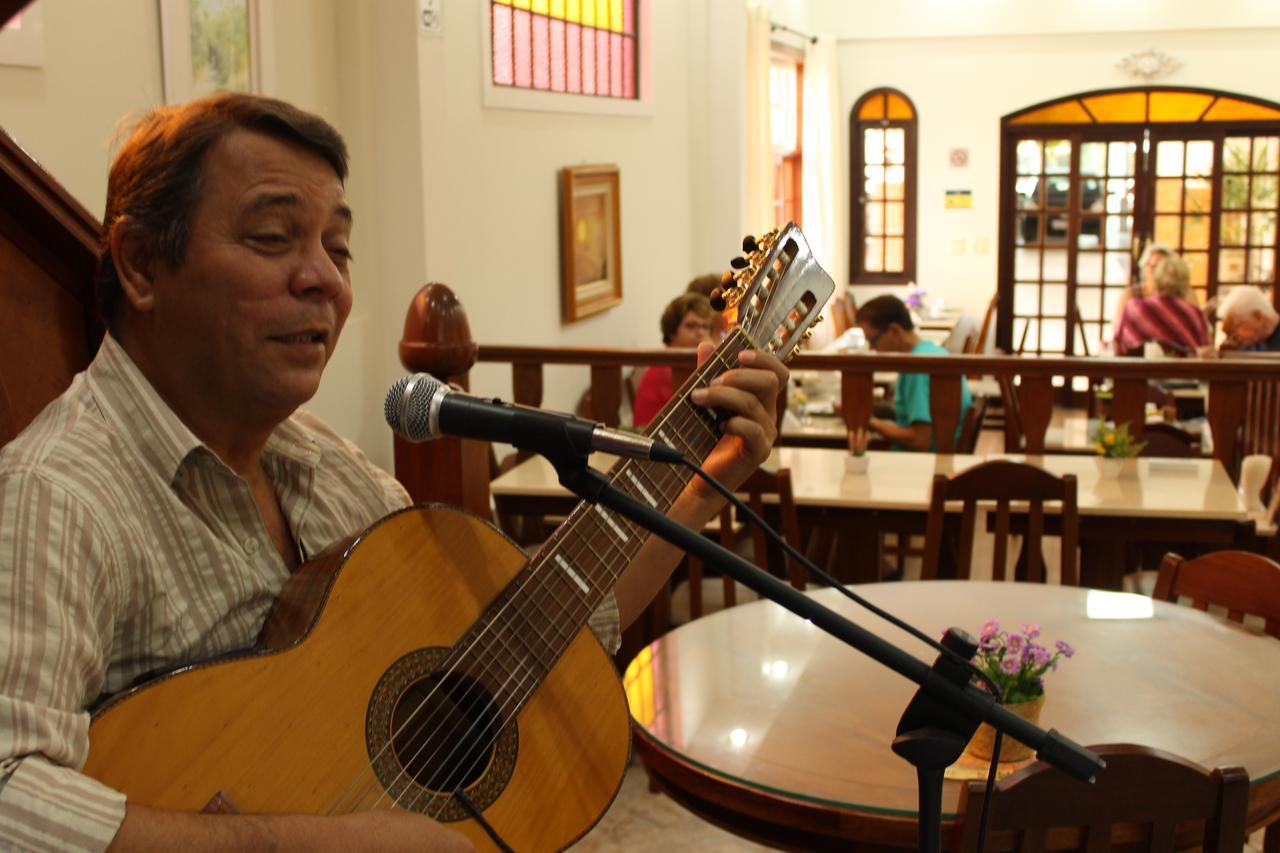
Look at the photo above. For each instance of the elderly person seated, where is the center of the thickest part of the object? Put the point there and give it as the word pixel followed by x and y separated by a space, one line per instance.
pixel 1165 312
pixel 1249 320
pixel 887 324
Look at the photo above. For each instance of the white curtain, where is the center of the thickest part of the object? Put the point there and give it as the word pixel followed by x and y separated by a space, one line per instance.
pixel 822 175
pixel 759 141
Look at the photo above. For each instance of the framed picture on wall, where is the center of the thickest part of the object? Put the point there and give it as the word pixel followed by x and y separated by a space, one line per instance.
pixel 209 46
pixel 22 37
pixel 590 240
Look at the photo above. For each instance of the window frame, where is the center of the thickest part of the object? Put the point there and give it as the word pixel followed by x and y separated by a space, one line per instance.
pixel 857 229
pixel 788 166
pixel 1082 128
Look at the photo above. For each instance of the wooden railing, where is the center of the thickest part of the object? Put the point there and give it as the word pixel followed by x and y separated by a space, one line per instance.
pixel 1231 382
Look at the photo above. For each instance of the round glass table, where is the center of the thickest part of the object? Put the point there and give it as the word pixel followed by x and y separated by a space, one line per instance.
pixel 759 722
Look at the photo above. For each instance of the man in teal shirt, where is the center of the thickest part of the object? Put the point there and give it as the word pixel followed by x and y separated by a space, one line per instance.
pixel 887 324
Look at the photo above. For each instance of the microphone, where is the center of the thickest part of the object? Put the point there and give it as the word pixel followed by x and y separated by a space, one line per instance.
pixel 420 407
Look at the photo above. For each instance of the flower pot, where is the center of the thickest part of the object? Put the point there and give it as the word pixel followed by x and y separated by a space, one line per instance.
pixel 983 742
pixel 1114 467
pixel 856 464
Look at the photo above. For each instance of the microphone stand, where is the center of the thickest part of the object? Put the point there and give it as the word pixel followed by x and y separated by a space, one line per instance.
pixel 944 712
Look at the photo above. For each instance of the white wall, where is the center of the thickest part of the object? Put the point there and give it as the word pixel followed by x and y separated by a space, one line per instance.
pixel 443 188
pixel 963 84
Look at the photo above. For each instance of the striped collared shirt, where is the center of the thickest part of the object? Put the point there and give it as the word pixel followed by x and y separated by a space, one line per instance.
pixel 126 545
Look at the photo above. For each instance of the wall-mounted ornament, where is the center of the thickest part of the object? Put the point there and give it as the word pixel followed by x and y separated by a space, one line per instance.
pixel 1148 65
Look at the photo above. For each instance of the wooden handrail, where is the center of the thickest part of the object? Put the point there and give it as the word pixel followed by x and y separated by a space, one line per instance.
pixel 1228 380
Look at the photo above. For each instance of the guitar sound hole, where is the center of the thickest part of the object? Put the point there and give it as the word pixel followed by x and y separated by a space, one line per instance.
pixel 444 738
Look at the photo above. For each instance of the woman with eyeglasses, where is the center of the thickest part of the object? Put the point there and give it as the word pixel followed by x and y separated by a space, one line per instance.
pixel 686 322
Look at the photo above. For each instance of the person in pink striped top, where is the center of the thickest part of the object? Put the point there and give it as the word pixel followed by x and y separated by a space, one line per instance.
pixel 1166 312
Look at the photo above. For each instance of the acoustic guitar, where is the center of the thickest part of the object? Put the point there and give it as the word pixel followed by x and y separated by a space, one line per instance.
pixel 427 664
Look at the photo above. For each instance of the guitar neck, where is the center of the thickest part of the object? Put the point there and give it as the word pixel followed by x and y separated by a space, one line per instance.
pixel 530 625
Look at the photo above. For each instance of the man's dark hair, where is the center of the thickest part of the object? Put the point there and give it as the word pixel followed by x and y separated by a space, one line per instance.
pixel 673 315
pixel 155 181
pixel 878 313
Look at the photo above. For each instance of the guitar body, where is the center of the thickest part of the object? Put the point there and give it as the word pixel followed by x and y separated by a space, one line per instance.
pixel 349 651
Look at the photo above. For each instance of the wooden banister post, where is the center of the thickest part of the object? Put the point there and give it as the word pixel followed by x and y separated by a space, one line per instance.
pixel 1035 405
pixel 526 383
pixel 606 393
pixel 437 340
pixel 944 409
pixel 1226 409
pixel 857 390
pixel 1129 405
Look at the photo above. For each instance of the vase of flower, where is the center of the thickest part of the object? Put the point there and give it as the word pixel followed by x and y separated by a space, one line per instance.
pixel 1017 663
pixel 1117 451
pixel 857 461
pixel 983 743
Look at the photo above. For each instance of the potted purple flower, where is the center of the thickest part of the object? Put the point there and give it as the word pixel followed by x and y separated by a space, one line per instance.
pixel 1017 662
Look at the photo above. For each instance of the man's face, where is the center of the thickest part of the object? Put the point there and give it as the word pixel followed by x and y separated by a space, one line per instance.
pixel 1247 330
pixel 880 340
pixel 254 310
pixel 692 331
pixel 1148 272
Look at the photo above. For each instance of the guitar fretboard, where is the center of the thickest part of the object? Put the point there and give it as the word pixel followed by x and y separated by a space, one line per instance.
pixel 513 646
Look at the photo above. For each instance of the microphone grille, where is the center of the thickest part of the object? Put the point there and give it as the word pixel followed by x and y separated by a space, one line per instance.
pixel 408 406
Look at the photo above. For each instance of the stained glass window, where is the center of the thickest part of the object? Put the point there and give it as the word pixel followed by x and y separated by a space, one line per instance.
pixel 581 47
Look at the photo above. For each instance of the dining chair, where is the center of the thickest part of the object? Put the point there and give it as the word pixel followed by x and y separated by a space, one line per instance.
pixel 1167 440
pixel 699 595
pixel 1013 431
pixel 971 426
pixel 1244 583
pixel 1138 802
pixel 1003 483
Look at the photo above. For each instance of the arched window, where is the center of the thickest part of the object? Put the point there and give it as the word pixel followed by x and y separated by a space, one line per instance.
pixel 1088 181
pixel 882 133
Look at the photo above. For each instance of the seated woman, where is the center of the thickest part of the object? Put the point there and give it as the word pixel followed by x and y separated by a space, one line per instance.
pixel 1166 311
pixel 686 322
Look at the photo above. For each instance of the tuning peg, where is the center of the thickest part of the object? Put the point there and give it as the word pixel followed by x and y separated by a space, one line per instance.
pixel 749 244
pixel 738 263
pixel 717 300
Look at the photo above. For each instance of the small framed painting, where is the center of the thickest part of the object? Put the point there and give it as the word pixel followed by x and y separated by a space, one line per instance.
pixel 208 46
pixel 590 240
pixel 22 37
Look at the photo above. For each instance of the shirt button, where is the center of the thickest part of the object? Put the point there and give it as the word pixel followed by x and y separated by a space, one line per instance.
pixel 251 546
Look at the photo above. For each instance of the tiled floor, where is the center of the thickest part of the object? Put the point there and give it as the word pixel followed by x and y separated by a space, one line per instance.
pixel 645 822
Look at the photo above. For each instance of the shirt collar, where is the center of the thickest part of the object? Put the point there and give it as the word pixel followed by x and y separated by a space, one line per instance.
pixel 132 405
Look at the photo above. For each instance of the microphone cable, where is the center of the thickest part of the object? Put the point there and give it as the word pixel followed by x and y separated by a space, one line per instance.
pixel 822 575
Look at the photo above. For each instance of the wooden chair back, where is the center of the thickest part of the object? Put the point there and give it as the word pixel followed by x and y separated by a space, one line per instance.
pixel 1169 441
pixel 972 425
pixel 1004 483
pixel 1137 802
pixel 844 313
pixel 767 556
pixel 48 251
pixel 1242 582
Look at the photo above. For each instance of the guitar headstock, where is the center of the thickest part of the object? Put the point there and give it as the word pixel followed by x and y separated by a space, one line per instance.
pixel 778 290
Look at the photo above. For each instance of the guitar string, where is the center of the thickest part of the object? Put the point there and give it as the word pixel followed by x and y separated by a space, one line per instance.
pixel 461 654
pixel 579 603
pixel 690 413
pixel 506 710
pixel 524 677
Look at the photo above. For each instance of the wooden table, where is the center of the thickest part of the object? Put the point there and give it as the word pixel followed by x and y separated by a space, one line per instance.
pixel 761 723
pixel 1170 501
